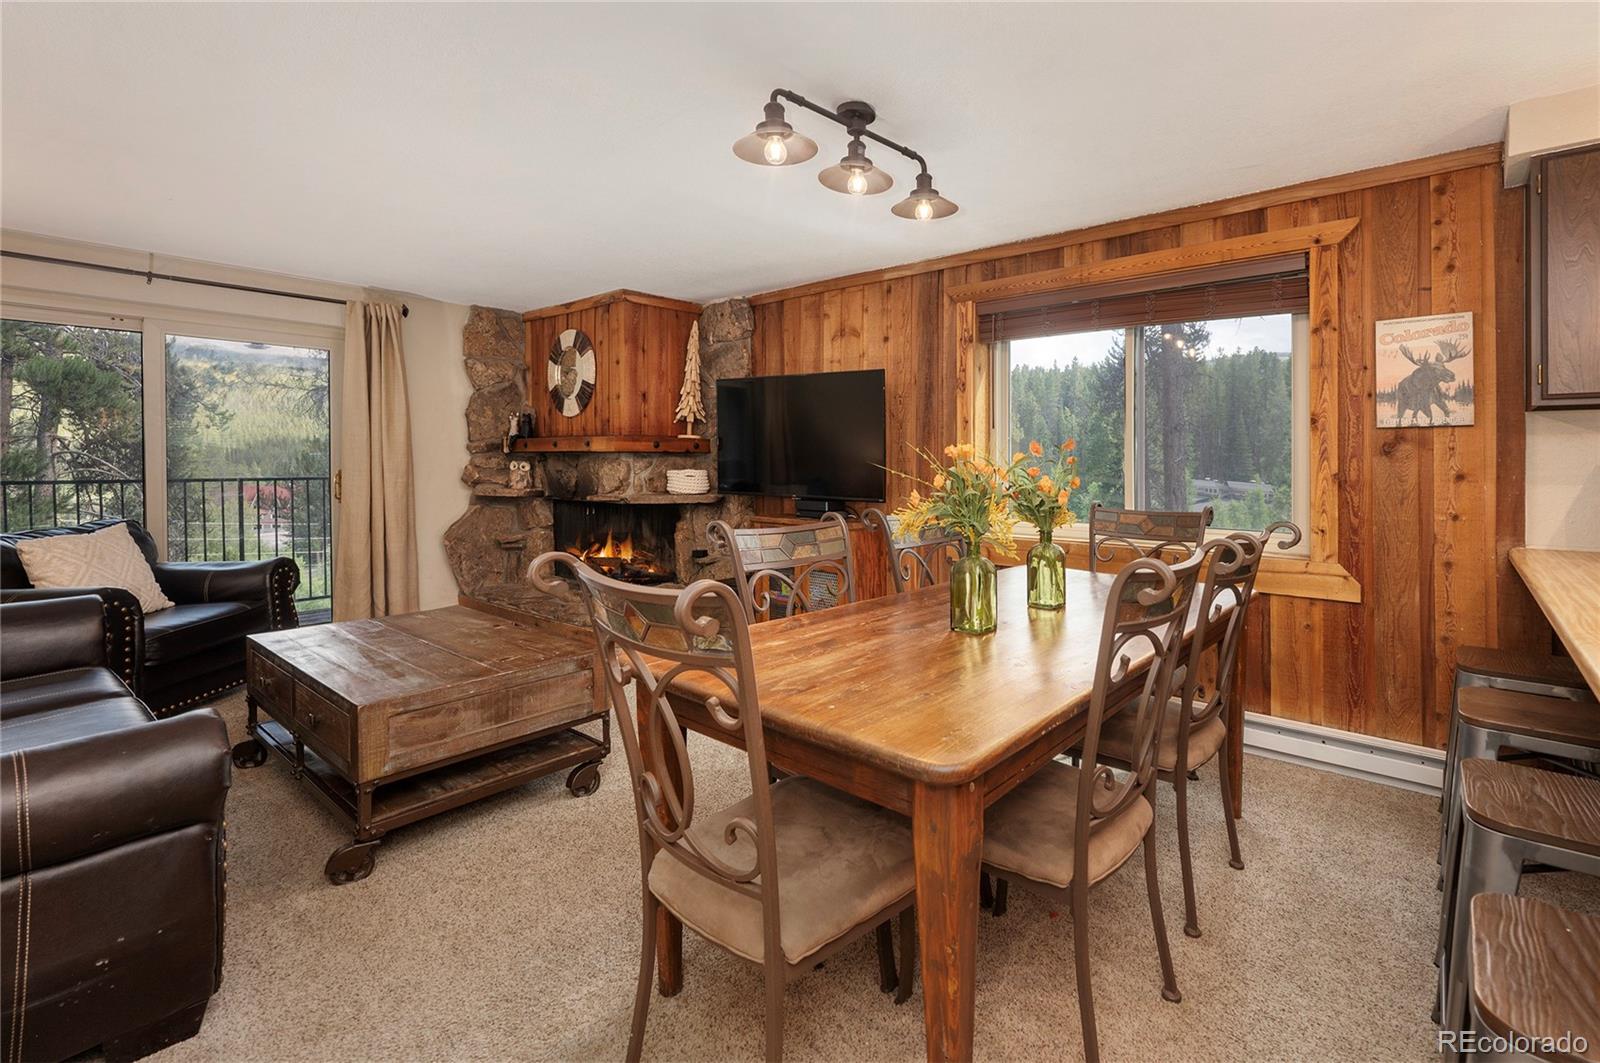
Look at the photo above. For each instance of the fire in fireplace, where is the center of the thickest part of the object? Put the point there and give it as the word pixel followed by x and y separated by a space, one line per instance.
pixel 633 543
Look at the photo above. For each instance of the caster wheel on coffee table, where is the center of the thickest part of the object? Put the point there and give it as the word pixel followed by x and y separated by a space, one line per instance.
pixel 584 779
pixel 249 754
pixel 351 863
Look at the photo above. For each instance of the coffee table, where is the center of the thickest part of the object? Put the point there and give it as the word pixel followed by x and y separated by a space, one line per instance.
pixel 392 720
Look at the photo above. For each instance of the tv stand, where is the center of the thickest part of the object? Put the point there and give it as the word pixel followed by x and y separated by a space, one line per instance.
pixel 816 508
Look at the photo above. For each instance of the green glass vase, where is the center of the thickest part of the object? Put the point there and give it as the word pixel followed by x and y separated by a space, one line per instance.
pixel 1047 574
pixel 972 593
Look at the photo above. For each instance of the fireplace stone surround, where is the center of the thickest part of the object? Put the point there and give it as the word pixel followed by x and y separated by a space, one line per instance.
pixel 504 528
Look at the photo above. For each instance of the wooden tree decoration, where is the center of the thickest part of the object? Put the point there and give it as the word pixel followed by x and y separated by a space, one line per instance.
pixel 690 406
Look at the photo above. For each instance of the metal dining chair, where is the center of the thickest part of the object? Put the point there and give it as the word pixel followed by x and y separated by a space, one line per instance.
pixel 1065 828
pixel 785 877
pixel 1146 532
pixel 915 561
pixel 795 568
pixel 1194 729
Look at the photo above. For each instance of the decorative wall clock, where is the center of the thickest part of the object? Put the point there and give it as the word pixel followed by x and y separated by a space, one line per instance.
pixel 570 372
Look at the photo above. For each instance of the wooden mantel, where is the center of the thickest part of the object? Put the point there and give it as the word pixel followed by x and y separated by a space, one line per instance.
pixel 639 342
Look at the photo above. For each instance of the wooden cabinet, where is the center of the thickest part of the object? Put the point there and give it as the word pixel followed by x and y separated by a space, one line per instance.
pixel 1564 280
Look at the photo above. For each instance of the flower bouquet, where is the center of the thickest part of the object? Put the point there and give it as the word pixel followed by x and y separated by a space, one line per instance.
pixel 968 495
pixel 1041 494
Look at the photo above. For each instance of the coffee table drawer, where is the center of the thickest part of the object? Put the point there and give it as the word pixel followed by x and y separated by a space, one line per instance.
pixel 322 725
pixel 271 685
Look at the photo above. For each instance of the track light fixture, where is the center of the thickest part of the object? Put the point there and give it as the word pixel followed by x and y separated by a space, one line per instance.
pixel 775 143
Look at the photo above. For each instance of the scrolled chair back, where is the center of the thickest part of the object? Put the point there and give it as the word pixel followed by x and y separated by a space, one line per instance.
pixel 1146 611
pixel 1225 596
pixel 1147 532
pixel 653 638
pixel 796 568
pixel 915 561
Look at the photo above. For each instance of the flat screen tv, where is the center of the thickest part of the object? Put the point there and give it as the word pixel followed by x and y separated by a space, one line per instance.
pixel 818 437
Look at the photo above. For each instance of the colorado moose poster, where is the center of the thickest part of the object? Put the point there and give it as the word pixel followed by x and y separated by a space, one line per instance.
pixel 1425 371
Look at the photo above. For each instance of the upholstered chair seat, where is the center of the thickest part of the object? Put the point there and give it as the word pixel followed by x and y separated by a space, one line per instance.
pixel 841 861
pixel 1205 739
pixel 1028 832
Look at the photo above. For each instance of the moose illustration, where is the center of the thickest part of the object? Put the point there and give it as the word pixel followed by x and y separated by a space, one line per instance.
pixel 1423 388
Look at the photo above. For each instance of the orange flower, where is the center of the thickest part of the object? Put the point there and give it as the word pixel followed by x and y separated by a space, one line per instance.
pixel 950 451
pixel 938 481
pixel 1016 457
pixel 1035 449
pixel 1076 483
pixel 967 450
pixel 982 466
pixel 915 499
pixel 1046 484
pixel 1062 499
pixel 1072 459
pixel 1070 444
pixel 1033 471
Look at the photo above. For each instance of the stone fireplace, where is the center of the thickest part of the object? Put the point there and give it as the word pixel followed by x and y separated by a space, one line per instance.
pixel 575 501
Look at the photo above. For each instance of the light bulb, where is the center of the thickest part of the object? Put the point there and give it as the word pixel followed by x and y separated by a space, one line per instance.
pixel 924 209
pixel 857 184
pixel 775 151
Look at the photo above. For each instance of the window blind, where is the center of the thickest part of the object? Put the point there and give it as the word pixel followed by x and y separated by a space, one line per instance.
pixel 1277 285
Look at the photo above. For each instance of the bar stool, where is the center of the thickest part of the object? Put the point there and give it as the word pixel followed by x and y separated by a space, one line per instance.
pixel 1488 719
pixel 1529 673
pixel 1511 815
pixel 1532 975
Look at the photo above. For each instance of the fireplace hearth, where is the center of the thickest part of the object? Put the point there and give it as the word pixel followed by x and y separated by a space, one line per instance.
pixel 631 543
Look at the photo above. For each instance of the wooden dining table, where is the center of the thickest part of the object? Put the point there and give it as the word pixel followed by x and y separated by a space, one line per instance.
pixel 882 700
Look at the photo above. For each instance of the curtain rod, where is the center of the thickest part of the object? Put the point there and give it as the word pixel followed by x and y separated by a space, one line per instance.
pixel 151 275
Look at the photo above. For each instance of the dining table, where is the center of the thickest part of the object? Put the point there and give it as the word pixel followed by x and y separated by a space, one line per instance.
pixel 1566 584
pixel 880 699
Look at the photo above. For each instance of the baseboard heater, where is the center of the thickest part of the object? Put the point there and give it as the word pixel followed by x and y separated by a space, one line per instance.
pixel 1377 759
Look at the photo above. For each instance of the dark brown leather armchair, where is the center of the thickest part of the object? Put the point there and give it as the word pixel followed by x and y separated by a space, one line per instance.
pixel 111 847
pixel 182 656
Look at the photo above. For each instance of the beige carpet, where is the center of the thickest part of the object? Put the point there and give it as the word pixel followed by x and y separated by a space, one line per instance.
pixel 509 930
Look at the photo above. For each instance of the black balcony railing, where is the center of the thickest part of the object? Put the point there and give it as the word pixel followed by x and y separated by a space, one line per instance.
pixel 240 518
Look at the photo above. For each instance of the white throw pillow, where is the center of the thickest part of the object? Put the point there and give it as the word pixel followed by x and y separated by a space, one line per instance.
pixel 105 558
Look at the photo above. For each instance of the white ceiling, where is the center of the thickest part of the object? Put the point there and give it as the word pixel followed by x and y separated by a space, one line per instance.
pixel 524 155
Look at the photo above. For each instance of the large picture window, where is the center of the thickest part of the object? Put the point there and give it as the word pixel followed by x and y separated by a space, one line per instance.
pixel 1205 405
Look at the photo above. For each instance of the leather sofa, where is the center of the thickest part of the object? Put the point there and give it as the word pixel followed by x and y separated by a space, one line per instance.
pixel 177 657
pixel 111 847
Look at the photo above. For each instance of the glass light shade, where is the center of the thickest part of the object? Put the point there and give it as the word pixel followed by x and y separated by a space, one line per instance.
pixel 925 204
pixel 754 147
pixel 838 179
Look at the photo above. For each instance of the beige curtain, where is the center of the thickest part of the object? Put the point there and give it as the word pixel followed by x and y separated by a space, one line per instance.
pixel 375 571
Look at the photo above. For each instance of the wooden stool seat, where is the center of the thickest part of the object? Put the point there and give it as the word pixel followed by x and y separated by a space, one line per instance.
pixel 1513 712
pixel 1519 667
pixel 1540 806
pixel 1534 972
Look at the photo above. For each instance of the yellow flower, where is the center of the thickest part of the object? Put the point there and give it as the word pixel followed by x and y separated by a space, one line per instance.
pixel 915 499
pixel 938 481
pixel 950 451
pixel 1076 483
pixel 1033 471
pixel 1046 484
pixel 1035 449
pixel 1016 457
pixel 1062 499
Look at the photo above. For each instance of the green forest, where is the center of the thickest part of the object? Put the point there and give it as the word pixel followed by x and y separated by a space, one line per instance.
pixel 247 439
pixel 1217 424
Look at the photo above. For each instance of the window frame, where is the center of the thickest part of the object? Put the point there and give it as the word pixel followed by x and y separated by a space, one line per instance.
pixel 154 327
pixel 1320 575
pixel 1134 440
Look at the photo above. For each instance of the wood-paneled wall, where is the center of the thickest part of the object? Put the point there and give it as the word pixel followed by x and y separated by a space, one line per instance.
pixel 639 343
pixel 1427 516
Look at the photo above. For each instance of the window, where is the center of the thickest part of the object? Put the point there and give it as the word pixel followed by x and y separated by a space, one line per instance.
pixel 1201 409
pixel 224 430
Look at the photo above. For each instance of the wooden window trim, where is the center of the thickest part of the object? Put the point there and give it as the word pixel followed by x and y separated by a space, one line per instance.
pixel 1318 575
